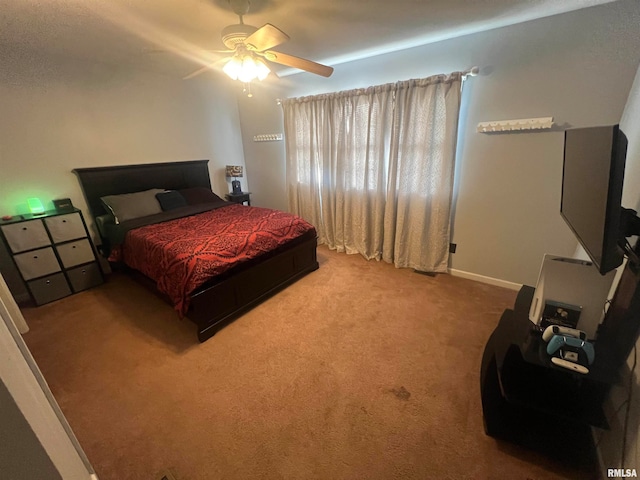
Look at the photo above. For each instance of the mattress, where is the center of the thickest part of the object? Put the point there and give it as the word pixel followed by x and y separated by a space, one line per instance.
pixel 183 254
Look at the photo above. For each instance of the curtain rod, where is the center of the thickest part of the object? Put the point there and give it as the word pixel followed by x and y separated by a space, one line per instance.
pixel 471 72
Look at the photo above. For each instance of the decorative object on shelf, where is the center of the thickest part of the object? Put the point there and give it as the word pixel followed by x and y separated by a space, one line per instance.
pixel 235 171
pixel 63 205
pixel 525 124
pixel 35 206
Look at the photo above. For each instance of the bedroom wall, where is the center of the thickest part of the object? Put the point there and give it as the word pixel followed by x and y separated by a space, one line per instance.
pixel 21 443
pixel 577 67
pixel 60 114
pixel 610 442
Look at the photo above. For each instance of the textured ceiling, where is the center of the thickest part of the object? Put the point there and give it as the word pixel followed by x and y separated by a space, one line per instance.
pixel 175 35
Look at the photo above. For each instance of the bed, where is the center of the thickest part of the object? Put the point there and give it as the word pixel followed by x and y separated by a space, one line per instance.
pixel 276 261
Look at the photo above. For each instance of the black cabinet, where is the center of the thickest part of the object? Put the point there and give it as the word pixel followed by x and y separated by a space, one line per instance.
pixel 528 400
pixel 53 254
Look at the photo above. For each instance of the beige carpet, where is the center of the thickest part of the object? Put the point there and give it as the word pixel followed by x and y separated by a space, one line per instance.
pixel 358 371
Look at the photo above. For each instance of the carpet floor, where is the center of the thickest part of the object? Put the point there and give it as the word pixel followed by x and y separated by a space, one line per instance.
pixel 357 371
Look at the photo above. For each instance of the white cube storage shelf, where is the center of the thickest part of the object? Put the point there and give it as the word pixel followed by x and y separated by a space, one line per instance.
pixel 75 253
pixel 37 263
pixel 26 235
pixel 53 254
pixel 65 227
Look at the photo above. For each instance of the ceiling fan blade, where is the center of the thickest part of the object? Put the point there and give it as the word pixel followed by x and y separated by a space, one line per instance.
pixel 265 37
pixel 271 72
pixel 297 62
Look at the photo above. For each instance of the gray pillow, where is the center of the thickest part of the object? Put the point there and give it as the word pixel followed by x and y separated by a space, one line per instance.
pixel 133 205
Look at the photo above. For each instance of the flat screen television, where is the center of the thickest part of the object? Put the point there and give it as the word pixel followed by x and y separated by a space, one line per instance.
pixel 592 179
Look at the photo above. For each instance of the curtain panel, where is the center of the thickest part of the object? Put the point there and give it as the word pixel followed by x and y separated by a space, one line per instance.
pixel 372 169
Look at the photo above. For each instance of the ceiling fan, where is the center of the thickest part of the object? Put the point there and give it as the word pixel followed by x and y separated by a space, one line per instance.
pixel 250 45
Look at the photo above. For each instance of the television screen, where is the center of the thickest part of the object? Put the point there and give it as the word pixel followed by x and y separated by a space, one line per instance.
pixel 592 179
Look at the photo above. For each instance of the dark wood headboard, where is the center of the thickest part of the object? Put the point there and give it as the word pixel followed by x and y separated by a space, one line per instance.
pixel 97 182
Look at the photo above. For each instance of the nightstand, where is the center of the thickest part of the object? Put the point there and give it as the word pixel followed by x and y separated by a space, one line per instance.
pixel 239 197
pixel 52 253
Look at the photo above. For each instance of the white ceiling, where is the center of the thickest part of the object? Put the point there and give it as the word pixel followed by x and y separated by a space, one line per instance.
pixel 174 35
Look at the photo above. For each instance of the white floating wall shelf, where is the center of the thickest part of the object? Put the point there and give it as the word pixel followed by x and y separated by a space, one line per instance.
pixel 541 123
pixel 268 137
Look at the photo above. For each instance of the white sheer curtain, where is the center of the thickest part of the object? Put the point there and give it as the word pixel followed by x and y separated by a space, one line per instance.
pixel 372 169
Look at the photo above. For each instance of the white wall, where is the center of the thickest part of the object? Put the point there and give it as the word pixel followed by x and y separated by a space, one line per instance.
pixel 630 125
pixel 577 67
pixel 611 441
pixel 61 114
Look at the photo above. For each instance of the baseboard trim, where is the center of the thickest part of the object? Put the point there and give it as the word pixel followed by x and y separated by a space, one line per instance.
pixel 483 279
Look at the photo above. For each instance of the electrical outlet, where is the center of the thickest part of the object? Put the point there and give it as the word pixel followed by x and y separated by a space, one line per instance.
pixel 452 247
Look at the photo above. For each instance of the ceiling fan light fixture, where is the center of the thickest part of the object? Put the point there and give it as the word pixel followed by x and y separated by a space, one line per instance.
pixel 249 70
pixel 233 67
pixel 246 68
pixel 262 69
pixel 251 45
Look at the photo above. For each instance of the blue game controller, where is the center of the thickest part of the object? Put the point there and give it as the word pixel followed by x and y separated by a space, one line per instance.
pixel 572 344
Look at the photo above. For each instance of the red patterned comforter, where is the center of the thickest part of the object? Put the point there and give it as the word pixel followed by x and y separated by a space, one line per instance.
pixel 181 255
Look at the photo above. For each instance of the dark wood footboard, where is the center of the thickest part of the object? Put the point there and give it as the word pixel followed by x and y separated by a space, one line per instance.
pixel 218 305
